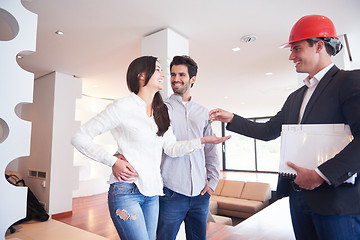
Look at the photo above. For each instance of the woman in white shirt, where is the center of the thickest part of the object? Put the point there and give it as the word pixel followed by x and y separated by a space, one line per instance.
pixel 140 125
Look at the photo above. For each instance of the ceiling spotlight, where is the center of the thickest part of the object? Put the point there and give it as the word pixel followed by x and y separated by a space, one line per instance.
pixel 235 49
pixel 58 32
pixel 248 38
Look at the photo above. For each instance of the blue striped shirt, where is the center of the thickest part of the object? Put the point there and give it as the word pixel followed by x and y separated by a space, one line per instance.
pixel 189 174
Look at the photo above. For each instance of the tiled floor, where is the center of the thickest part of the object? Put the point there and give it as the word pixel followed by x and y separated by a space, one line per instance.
pixel 50 230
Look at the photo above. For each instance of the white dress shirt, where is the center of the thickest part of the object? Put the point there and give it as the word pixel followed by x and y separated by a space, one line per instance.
pixel 135 134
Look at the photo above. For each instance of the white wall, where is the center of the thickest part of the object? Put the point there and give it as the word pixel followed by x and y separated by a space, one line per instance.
pixel 40 113
pixel 16 87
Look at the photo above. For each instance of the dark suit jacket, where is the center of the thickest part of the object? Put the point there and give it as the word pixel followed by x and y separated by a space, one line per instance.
pixel 336 99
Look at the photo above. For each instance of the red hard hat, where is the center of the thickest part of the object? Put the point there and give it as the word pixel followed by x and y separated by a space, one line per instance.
pixel 311 26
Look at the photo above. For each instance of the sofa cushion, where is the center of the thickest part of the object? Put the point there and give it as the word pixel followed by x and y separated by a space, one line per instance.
pixel 256 191
pixel 219 187
pixel 215 198
pixel 236 214
pixel 222 220
pixel 241 205
pixel 210 217
pixel 232 188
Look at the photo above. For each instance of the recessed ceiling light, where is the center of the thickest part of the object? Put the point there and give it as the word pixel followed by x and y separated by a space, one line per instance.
pixel 268 73
pixel 58 32
pixel 235 49
pixel 249 38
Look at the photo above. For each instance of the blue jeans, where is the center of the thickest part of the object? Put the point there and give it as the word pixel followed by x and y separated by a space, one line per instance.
pixel 308 225
pixel 176 208
pixel 133 214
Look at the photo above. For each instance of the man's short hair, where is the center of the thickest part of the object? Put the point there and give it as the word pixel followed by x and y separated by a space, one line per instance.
pixel 187 61
pixel 329 48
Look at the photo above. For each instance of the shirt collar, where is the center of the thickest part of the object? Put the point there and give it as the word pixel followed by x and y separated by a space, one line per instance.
pixel 137 99
pixel 178 98
pixel 313 81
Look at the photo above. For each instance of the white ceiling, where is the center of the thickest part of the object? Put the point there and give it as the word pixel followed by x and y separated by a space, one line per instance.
pixel 103 36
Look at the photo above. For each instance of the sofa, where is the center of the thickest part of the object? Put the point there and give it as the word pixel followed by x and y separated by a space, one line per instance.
pixel 239 199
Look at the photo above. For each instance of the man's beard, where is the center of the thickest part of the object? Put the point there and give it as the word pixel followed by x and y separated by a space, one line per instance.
pixel 181 90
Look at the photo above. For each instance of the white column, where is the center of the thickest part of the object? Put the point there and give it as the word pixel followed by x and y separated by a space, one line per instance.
pixel 164 45
pixel 16 87
pixel 63 175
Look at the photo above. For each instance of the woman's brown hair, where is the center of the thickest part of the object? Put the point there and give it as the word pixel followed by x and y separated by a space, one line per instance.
pixel 146 65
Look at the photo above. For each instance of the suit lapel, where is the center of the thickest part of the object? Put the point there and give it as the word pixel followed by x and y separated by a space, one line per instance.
pixel 319 89
pixel 295 109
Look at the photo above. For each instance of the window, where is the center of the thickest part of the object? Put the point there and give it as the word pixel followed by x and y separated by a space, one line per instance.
pixel 247 154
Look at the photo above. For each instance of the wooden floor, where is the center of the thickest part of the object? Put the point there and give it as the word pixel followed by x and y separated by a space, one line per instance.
pixel 91 213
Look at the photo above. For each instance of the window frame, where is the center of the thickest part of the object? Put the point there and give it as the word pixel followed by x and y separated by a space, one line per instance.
pixel 224 168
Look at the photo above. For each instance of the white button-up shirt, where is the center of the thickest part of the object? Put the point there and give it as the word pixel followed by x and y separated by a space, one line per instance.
pixel 312 84
pixel 135 134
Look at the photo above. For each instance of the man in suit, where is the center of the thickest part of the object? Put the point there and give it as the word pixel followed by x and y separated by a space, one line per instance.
pixel 322 205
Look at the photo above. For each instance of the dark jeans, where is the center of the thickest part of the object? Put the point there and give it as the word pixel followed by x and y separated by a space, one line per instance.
pixel 308 225
pixel 176 208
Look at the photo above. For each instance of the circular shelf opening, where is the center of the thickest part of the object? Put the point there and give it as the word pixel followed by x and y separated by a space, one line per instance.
pixel 8 25
pixel 4 130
